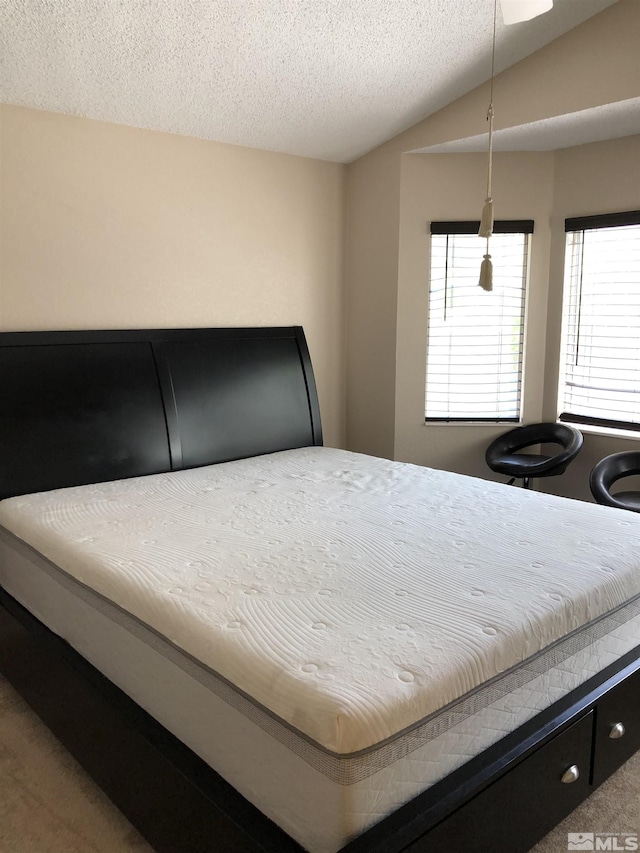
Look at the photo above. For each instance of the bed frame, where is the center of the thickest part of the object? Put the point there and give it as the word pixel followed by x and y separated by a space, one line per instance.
pixel 82 407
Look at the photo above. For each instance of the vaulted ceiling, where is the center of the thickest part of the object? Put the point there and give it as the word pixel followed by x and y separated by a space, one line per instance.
pixel 330 79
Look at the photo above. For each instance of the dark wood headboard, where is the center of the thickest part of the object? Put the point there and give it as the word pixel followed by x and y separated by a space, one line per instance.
pixel 83 407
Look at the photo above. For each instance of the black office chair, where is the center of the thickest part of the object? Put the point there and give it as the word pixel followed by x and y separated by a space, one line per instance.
pixel 503 455
pixel 608 471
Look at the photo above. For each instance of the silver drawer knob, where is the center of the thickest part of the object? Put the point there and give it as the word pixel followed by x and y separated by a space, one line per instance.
pixel 616 731
pixel 570 775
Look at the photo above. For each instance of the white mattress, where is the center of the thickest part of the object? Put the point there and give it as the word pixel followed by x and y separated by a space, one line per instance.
pixel 350 599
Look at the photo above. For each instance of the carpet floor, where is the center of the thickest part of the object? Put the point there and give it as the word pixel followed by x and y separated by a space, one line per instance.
pixel 49 805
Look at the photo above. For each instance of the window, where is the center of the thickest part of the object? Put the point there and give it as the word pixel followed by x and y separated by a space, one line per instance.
pixel 475 338
pixel 600 358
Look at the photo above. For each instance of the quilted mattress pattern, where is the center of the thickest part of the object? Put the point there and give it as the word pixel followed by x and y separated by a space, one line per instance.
pixel 348 596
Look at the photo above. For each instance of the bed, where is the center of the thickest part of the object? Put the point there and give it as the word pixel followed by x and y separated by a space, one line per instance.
pixel 253 642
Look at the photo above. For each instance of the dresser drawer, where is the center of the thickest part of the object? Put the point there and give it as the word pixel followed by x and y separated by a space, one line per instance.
pixel 617 727
pixel 523 805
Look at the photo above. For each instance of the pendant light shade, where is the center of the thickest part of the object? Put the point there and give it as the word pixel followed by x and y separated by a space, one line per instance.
pixel 516 11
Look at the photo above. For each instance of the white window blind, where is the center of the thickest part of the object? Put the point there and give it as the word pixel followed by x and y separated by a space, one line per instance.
pixel 475 338
pixel 600 360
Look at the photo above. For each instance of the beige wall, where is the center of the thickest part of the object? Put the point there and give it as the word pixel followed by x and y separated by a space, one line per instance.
pixel 104 226
pixel 547 187
pixel 596 64
pixel 600 178
pixel 372 273
pixel 444 187
pixel 108 226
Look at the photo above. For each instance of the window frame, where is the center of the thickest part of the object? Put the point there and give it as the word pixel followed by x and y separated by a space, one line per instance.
pixel 575 225
pixel 471 227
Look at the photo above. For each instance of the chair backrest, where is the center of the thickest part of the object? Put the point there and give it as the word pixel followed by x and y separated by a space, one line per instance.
pixel 569 438
pixel 610 469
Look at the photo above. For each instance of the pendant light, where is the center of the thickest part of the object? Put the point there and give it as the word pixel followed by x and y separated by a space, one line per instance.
pixel 513 12
pixel 486 221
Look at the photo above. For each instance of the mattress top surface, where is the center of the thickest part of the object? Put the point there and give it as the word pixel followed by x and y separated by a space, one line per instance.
pixel 349 596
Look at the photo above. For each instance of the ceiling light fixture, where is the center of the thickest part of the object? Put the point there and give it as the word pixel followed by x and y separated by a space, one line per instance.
pixel 513 12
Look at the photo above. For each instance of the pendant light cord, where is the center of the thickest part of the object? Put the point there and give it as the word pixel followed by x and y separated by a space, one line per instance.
pixel 486 221
pixel 490 111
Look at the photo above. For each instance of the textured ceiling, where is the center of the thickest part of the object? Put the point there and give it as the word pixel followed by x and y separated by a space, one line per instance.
pixel 330 79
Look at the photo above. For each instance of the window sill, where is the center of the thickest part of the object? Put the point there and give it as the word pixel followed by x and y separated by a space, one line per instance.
pixel 590 429
pixel 506 424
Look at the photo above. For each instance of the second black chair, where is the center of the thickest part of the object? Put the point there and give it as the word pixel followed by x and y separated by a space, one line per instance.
pixel 503 454
pixel 608 471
